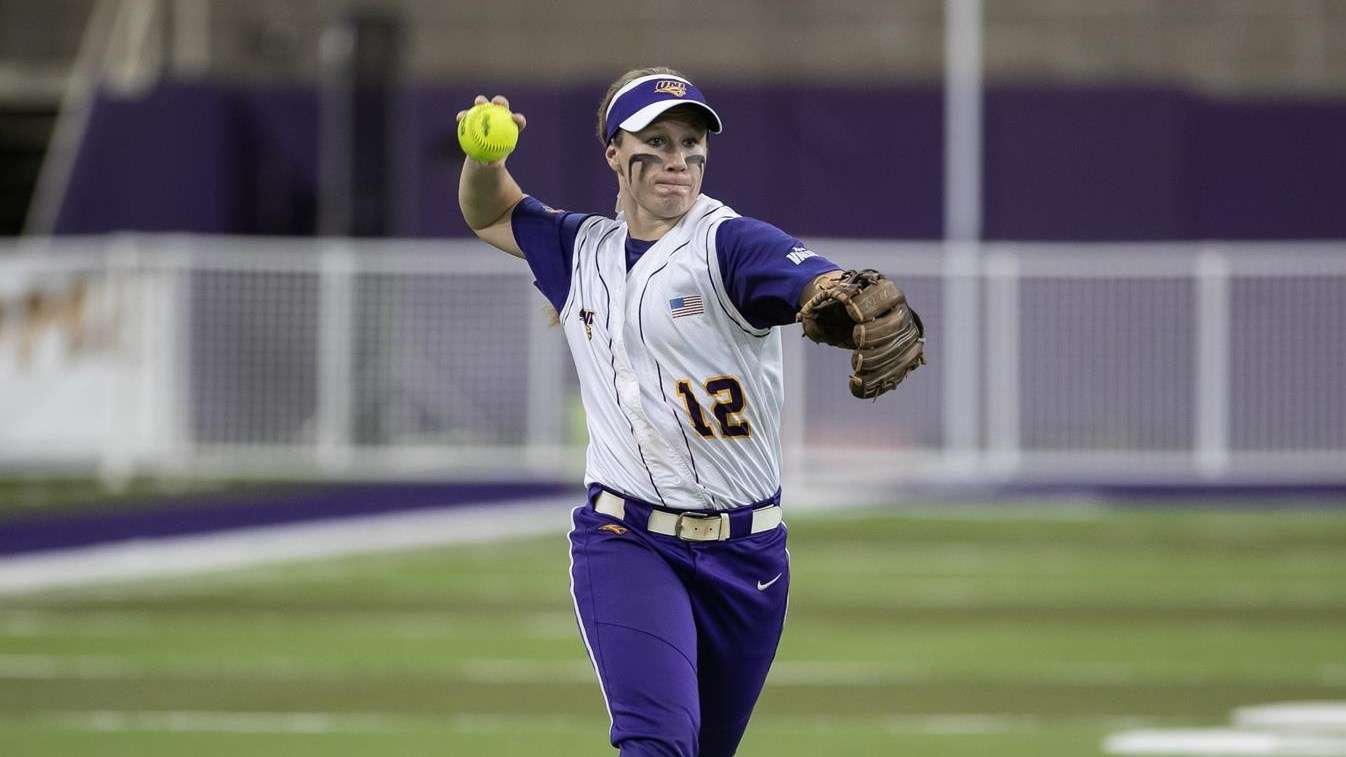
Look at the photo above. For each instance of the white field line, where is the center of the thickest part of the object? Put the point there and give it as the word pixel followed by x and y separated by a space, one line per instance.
pixel 246 547
pixel 784 673
pixel 492 670
pixel 470 670
pixel 390 624
pixel 1300 717
pixel 951 724
pixel 1224 742
pixel 224 722
pixel 40 667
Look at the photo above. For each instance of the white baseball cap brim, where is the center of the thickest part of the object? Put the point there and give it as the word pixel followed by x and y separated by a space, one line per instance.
pixel 646 115
pixel 637 104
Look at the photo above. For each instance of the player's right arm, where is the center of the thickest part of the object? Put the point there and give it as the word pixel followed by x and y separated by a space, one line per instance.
pixel 487 193
pixel 504 217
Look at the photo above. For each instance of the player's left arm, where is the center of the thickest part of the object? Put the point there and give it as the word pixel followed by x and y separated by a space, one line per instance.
pixel 767 273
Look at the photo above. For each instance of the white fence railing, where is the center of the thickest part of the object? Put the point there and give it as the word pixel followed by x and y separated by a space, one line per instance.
pixel 186 355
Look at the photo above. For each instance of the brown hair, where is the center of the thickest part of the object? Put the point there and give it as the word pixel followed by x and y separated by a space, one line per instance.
pixel 622 81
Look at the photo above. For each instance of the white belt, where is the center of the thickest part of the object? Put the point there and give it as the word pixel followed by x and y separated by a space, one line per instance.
pixel 690 526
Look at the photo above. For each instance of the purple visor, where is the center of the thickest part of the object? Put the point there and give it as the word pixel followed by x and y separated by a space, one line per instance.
pixel 642 100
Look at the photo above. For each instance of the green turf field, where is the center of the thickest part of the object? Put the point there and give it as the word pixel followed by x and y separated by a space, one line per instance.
pixel 1032 633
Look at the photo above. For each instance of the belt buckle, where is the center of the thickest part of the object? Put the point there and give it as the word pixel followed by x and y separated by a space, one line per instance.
pixel 722 518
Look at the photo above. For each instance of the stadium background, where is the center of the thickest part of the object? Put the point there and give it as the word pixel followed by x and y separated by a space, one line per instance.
pixel 286 455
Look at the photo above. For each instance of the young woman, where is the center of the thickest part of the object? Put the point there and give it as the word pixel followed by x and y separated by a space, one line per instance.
pixel 679 571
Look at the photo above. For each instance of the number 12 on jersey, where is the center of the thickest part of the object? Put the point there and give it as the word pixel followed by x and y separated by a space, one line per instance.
pixel 728 396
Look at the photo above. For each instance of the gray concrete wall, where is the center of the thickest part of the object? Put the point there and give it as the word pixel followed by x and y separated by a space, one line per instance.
pixel 1234 46
pixel 1230 46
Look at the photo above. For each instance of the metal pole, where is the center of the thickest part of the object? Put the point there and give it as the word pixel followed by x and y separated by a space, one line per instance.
pixel 962 120
pixel 1002 351
pixel 81 87
pixel 336 340
pixel 1213 379
pixel 959 345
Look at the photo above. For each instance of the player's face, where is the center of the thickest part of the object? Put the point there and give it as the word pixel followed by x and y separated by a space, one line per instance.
pixel 662 165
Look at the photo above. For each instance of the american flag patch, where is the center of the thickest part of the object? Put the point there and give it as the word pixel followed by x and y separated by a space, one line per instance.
pixel 686 305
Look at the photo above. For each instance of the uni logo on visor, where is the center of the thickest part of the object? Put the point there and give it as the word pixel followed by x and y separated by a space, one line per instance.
pixel 672 87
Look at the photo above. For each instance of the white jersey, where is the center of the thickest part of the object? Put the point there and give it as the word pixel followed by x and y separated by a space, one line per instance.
pixel 682 394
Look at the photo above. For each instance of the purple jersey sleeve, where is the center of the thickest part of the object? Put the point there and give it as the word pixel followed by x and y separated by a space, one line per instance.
pixel 765 270
pixel 547 238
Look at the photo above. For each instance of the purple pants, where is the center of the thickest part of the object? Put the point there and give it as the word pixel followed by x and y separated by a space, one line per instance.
pixel 682 634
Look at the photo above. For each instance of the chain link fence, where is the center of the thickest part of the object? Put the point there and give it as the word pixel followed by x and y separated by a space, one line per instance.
pixel 210 356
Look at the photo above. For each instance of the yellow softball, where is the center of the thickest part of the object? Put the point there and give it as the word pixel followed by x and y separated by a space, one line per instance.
pixel 487 133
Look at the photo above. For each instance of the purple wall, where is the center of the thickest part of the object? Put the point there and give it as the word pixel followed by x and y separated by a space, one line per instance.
pixel 197 158
pixel 1268 169
pixel 1085 165
pixel 1114 164
pixel 161 163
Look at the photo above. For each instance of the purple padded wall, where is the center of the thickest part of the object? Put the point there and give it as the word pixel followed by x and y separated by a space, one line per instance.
pixel 1060 164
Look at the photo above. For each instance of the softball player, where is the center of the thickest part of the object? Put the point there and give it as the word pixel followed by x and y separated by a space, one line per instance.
pixel 679 572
